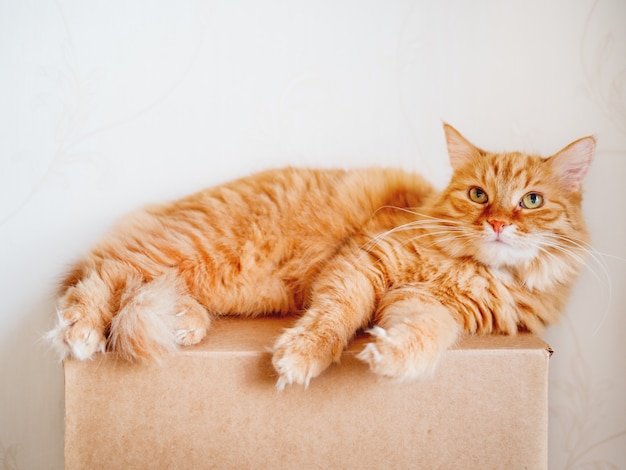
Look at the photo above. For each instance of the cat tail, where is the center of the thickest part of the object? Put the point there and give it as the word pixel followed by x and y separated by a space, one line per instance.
pixel 144 325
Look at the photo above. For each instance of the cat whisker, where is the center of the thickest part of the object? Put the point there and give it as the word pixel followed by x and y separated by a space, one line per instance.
pixel 410 226
pixel 413 225
pixel 581 246
pixel 418 214
pixel 603 278
pixel 452 235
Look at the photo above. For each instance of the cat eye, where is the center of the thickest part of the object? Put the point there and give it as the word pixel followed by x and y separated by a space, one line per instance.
pixel 531 201
pixel 476 194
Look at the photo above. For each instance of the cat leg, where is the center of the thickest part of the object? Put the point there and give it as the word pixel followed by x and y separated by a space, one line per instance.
pixel 155 317
pixel 119 311
pixel 413 330
pixel 342 301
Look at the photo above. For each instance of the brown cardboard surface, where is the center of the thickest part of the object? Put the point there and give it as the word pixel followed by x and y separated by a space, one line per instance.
pixel 215 406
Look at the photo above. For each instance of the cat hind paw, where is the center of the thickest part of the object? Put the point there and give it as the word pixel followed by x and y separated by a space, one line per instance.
pixel 190 327
pixel 76 336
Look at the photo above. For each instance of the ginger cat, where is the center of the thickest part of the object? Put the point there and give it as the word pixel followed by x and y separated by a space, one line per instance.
pixel 495 252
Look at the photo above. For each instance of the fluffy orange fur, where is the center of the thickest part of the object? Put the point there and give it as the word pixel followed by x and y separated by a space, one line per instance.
pixel 495 252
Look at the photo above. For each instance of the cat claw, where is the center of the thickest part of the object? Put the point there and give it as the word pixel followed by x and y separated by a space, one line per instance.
pixel 298 357
pixel 291 370
pixel 390 356
pixel 190 336
pixel 377 331
pixel 288 378
pixel 290 374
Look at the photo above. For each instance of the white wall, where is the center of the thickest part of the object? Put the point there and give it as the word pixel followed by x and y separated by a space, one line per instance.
pixel 107 105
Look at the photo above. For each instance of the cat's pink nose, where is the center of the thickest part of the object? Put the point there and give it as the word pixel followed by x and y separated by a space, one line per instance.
pixel 498 225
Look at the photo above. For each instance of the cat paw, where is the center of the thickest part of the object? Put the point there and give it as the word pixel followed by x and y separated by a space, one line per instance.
pixel 190 327
pixel 300 355
pixel 398 355
pixel 76 336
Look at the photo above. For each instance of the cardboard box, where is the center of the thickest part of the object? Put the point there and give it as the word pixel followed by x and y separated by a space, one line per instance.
pixel 215 406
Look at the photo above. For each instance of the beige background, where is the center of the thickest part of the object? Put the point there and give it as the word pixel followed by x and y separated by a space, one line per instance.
pixel 105 106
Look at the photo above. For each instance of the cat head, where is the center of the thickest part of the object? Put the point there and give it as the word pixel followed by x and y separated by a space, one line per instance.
pixel 514 209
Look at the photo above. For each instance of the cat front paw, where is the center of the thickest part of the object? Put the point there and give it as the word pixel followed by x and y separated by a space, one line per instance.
pixel 76 336
pixel 300 355
pixel 398 354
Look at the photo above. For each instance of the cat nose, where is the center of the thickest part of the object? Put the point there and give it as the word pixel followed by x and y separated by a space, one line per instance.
pixel 498 225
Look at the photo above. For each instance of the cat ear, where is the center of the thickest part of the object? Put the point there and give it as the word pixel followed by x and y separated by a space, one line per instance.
pixel 572 163
pixel 459 148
